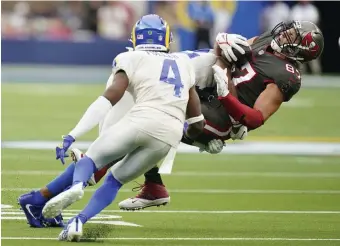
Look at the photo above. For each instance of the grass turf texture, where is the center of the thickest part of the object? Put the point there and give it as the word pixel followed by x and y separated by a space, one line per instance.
pixel 183 224
pixel 46 111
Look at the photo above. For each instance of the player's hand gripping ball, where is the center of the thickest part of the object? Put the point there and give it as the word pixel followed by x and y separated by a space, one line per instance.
pixel 233 48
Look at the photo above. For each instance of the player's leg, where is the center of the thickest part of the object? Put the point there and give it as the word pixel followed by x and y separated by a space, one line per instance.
pixel 117 112
pixel 132 166
pixel 115 143
pixel 115 115
pixel 32 203
pixel 152 193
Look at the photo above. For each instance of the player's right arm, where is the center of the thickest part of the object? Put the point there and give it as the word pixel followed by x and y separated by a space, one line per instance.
pixel 122 71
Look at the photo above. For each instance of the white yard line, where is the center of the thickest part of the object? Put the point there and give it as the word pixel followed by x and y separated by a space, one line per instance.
pixel 240 147
pixel 214 191
pixel 196 174
pixel 6 211
pixel 185 239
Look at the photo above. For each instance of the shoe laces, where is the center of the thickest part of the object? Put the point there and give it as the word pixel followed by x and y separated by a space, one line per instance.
pixel 139 187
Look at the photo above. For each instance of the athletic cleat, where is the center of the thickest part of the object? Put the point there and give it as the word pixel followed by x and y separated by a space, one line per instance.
pixel 151 194
pixel 33 212
pixel 73 231
pixel 58 203
pixel 76 155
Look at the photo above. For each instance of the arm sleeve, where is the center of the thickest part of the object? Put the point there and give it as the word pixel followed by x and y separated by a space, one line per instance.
pixel 93 115
pixel 192 76
pixel 97 111
pixel 249 117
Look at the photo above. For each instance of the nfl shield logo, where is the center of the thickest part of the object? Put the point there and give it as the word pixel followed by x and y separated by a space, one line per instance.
pixel 140 36
pixel 160 37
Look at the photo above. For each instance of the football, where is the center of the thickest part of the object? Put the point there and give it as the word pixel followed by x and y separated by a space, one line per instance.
pixel 241 58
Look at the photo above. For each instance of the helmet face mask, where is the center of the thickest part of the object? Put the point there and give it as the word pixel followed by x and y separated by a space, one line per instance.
pixel 299 41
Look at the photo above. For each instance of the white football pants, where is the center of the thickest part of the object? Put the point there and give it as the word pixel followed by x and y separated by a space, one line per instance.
pixel 124 138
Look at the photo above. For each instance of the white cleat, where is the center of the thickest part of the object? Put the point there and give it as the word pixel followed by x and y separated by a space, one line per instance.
pixel 58 203
pixel 140 203
pixel 73 232
pixel 76 155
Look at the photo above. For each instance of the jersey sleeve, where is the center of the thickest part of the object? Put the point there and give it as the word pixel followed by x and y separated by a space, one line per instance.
pixel 126 62
pixel 192 76
pixel 202 64
pixel 289 85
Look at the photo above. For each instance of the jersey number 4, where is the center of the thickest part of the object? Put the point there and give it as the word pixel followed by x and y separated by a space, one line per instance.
pixel 170 74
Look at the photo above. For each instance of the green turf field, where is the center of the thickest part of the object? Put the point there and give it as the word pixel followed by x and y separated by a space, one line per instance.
pixel 46 111
pixel 215 199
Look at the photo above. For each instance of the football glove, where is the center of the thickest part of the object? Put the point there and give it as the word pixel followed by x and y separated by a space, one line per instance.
pixel 229 41
pixel 239 131
pixel 221 80
pixel 61 151
pixel 214 146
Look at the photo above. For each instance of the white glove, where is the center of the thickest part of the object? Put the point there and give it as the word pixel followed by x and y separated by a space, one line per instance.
pixel 215 146
pixel 221 80
pixel 228 41
pixel 238 130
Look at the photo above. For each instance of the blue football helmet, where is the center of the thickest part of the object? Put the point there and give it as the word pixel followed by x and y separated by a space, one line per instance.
pixel 151 33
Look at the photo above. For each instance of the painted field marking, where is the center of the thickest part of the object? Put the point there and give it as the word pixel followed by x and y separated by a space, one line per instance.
pixel 210 211
pixel 196 174
pixel 213 191
pixel 103 218
pixel 185 239
pixel 240 147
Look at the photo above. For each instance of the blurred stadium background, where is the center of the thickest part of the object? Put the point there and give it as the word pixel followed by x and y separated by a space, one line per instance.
pixel 56 58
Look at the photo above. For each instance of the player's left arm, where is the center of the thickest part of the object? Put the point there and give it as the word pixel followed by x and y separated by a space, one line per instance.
pixel 269 101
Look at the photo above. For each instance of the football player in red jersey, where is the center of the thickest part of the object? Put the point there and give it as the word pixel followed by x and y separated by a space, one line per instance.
pixel 264 77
